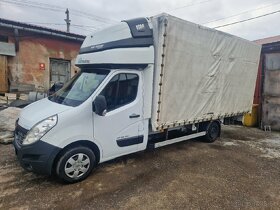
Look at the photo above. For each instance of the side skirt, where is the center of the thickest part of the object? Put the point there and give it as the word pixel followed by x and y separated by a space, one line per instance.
pixel 176 140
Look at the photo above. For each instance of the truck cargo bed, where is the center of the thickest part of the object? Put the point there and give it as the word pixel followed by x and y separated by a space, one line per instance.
pixel 200 73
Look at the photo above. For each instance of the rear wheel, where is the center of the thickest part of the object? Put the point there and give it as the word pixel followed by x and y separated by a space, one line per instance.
pixel 213 131
pixel 75 164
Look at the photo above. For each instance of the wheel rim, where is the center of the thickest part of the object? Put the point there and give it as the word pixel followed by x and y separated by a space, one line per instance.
pixel 77 165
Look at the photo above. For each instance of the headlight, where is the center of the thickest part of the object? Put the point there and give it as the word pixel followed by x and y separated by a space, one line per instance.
pixel 39 130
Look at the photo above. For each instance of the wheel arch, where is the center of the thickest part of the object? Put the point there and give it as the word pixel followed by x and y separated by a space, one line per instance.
pixel 85 143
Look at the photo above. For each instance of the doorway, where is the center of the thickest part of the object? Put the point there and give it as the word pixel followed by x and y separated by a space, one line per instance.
pixel 3 74
pixel 59 71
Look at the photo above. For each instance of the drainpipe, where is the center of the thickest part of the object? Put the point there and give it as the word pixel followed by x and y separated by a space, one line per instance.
pixel 16 34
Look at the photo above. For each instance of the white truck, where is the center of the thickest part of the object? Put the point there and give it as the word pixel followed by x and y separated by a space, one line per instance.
pixel 146 82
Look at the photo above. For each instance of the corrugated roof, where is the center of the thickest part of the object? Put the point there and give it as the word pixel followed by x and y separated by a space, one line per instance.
pixel 40 29
pixel 268 40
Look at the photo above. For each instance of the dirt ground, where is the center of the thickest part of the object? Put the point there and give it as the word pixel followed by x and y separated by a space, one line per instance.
pixel 238 171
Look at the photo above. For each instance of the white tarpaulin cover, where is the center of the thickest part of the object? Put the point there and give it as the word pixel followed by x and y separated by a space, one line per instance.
pixel 200 73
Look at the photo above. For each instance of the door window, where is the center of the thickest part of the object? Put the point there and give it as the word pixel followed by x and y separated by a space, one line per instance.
pixel 121 90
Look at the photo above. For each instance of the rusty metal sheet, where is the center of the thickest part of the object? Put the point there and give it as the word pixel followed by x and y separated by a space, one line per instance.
pixel 3 74
pixel 272 83
pixel 272 61
pixel 271 112
pixel 257 94
pixel 271 91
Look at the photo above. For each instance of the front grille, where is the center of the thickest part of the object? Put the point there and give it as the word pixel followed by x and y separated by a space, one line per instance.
pixel 20 134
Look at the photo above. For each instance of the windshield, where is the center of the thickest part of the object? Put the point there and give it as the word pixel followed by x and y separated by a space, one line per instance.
pixel 80 87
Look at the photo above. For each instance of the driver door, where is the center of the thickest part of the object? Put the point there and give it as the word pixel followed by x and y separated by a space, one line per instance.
pixel 120 131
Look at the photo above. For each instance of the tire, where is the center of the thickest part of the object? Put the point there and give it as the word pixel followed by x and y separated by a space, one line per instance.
pixel 213 131
pixel 75 164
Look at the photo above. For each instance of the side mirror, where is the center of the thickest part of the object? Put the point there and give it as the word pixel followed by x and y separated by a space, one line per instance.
pixel 55 87
pixel 99 105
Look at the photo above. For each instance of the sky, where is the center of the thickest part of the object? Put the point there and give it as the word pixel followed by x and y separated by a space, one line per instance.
pixel 88 16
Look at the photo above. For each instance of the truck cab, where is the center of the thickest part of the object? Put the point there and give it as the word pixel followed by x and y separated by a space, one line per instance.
pixel 103 112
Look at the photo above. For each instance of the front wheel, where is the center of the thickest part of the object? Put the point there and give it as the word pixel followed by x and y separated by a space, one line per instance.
pixel 213 131
pixel 75 164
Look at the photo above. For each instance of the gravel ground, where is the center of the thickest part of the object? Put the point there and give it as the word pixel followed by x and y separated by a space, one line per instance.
pixel 238 171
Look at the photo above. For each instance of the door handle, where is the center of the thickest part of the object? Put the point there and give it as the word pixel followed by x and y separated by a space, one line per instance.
pixel 134 116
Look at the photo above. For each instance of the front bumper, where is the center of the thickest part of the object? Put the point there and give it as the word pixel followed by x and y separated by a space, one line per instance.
pixel 37 157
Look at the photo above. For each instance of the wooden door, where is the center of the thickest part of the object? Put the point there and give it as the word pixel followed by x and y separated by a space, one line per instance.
pixel 3 74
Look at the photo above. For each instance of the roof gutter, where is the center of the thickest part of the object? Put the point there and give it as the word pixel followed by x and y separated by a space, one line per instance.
pixel 41 32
